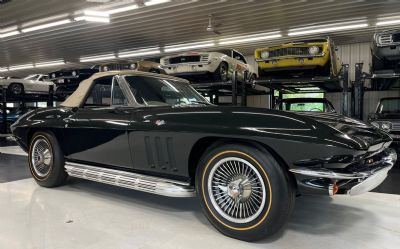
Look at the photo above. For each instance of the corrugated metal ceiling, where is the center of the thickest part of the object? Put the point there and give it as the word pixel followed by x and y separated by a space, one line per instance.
pixel 175 22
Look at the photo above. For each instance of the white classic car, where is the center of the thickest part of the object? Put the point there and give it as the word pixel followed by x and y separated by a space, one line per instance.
pixel 219 65
pixel 32 84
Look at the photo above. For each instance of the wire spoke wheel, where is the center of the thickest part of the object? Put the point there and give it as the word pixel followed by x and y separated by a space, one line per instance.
pixel 42 157
pixel 236 190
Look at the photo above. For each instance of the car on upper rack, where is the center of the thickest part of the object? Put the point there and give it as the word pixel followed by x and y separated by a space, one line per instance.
pixel 33 84
pixel 143 66
pixel 386 50
pixel 387 118
pixel 305 105
pixel 155 133
pixel 67 80
pixel 314 57
pixel 218 65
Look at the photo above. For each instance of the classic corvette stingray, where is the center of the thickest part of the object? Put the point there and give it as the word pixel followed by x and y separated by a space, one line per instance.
pixel 155 133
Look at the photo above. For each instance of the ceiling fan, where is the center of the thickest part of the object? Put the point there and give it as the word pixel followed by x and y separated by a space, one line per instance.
pixel 211 27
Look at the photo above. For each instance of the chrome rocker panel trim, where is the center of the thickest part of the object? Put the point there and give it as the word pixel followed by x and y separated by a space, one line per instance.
pixel 149 184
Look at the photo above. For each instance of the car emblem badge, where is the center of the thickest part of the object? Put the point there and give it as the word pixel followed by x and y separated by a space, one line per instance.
pixel 160 122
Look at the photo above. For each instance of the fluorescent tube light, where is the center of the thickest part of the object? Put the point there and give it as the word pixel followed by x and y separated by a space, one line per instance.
pixel 122 9
pixel 47 25
pixel 20 67
pixel 95 13
pixel 3 69
pixel 250 38
pixel 50 63
pixel 188 46
pixel 97 58
pixel 139 52
pixel 154 2
pixel 388 22
pixel 327 28
pixel 92 19
pixel 15 32
pixel 308 88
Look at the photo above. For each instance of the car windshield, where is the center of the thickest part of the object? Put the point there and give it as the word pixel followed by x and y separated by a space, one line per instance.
pixel 155 91
pixel 304 106
pixel 32 77
pixel 389 106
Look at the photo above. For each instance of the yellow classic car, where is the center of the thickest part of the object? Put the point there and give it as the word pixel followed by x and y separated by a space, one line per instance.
pixel 310 57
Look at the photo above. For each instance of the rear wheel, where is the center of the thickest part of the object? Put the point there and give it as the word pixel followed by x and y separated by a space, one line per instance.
pixel 16 89
pixel 46 160
pixel 221 74
pixel 244 191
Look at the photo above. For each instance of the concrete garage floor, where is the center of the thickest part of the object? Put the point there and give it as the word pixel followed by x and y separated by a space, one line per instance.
pixel 85 214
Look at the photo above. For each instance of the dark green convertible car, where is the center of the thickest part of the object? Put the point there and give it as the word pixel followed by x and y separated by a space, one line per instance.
pixel 155 133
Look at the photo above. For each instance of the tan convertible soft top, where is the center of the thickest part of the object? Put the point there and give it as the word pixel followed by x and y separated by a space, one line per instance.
pixel 76 99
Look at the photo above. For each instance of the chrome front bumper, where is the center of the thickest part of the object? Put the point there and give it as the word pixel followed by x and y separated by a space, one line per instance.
pixel 365 180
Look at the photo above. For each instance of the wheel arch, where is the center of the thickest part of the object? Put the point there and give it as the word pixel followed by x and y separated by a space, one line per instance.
pixel 56 132
pixel 207 143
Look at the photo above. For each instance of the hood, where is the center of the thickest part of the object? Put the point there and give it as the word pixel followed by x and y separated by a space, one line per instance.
pixel 357 129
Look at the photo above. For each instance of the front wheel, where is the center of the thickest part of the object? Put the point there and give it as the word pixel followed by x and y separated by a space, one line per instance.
pixel 244 191
pixel 16 89
pixel 46 160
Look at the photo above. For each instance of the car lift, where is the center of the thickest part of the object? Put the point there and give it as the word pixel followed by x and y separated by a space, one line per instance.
pixel 228 88
pixel 295 84
pixel 48 98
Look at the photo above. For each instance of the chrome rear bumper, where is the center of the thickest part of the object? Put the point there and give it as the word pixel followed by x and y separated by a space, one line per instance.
pixel 362 181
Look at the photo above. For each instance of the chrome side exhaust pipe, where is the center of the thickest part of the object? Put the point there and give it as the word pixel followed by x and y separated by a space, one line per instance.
pixel 144 183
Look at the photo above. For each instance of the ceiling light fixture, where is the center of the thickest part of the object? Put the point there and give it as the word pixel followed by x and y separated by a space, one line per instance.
pixel 122 9
pixel 93 19
pixel 50 63
pixel 391 20
pixel 327 28
pixel 47 25
pixel 139 52
pixel 20 67
pixel 95 13
pixel 3 69
pixel 97 58
pixel 250 38
pixel 15 32
pixel 188 46
pixel 155 2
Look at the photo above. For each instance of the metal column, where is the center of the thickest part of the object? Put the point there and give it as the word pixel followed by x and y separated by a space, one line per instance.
pixel 345 85
pixel 4 110
pixel 243 93
pixel 358 92
pixel 234 88
pixel 50 101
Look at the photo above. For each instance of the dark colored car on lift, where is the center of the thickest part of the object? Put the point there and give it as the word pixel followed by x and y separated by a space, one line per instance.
pixel 67 80
pixel 385 50
pixel 305 105
pixel 387 118
pixel 155 133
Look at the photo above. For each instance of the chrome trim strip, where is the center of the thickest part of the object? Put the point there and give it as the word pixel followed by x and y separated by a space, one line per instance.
pixel 149 184
pixel 387 163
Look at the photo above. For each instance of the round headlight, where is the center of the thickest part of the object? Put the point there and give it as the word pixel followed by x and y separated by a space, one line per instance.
pixel 53 75
pixel 386 126
pixel 376 124
pixel 265 55
pixel 313 50
pixel 74 73
pixel 134 66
